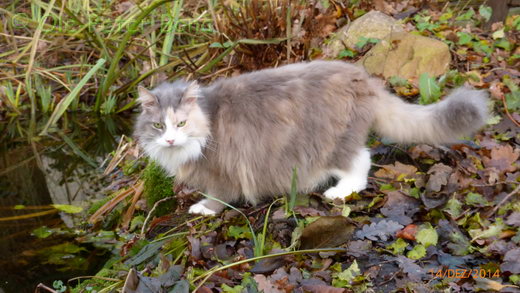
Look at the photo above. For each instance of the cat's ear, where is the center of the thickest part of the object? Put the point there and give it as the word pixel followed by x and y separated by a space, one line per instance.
pixel 146 98
pixel 191 94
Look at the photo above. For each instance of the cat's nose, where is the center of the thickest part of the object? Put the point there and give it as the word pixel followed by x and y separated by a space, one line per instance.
pixel 170 141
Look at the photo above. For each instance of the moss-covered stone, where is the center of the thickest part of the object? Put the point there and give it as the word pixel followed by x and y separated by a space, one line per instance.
pixel 157 185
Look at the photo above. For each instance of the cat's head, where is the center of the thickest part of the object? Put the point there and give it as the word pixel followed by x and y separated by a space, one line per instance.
pixel 171 119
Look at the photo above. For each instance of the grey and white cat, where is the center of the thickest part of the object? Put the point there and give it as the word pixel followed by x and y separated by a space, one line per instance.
pixel 239 138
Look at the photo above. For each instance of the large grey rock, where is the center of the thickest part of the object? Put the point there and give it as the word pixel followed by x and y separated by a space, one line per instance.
pixel 407 55
pixel 374 24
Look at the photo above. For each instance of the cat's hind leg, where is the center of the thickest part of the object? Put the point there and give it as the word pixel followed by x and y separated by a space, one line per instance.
pixel 353 179
pixel 206 207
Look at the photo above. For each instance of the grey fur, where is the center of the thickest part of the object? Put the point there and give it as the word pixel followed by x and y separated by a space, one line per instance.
pixel 310 116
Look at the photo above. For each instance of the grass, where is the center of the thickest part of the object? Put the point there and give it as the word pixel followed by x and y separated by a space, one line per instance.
pixel 76 56
pixel 89 55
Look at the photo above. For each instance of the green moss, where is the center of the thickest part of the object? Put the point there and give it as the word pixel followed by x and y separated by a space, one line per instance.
pixel 157 185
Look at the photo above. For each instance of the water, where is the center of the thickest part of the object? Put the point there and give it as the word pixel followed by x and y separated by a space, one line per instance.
pixel 62 168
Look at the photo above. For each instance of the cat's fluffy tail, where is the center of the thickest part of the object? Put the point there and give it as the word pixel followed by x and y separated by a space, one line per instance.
pixel 462 113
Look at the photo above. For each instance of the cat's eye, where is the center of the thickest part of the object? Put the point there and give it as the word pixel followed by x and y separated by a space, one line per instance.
pixel 158 125
pixel 181 124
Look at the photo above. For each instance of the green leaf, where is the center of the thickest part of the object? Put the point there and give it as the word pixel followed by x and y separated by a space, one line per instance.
pixel 415 192
pixel 504 44
pixel 516 24
pixel 429 89
pixel 345 278
pixel 494 120
pixel 485 11
pixel 483 47
pixel 148 251
pixel 363 41
pixel 464 38
pixel 228 289
pixel 491 231
pixel 386 186
pixel 19 207
pixel 498 34
pixel 446 16
pixel 59 286
pixel 419 251
pixel 476 199
pixel 346 53
pixel 467 15
pixel 453 207
pixel 515 279
pixel 398 246
pixel 42 232
pixel 513 101
pixel 345 212
pixel 69 209
pixel 427 235
pixel 239 232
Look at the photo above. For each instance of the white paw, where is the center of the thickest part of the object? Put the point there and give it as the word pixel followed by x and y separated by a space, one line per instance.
pixel 201 209
pixel 336 192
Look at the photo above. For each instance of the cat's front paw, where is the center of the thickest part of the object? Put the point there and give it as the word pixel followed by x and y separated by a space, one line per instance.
pixel 200 209
pixel 336 192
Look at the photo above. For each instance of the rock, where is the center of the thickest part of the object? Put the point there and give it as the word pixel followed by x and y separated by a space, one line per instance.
pixel 407 55
pixel 374 24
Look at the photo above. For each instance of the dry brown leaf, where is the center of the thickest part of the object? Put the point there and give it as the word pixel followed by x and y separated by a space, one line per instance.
pixel 408 232
pixel 503 158
pixel 329 231
pixel 395 171
pixel 439 174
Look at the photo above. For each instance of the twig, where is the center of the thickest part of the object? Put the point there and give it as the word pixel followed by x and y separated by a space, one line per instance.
pixel 151 212
pixel 42 286
pixel 506 199
pixel 507 111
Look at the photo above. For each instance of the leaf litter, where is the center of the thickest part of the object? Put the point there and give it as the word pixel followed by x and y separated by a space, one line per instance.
pixel 434 218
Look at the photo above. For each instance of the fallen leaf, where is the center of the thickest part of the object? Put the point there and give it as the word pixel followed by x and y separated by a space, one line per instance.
pixel 359 248
pixel 328 231
pixel 408 232
pixel 400 208
pixel 439 174
pixel 414 271
pixel 503 158
pixel 487 284
pixel 379 231
pixel 427 235
pixel 511 261
pixel 268 265
pixel 514 219
pixel 266 285
pixel 396 171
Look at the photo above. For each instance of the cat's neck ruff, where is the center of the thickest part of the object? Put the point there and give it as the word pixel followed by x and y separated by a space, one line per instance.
pixel 171 158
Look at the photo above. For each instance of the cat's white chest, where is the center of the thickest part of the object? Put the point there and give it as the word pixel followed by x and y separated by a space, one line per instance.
pixel 172 158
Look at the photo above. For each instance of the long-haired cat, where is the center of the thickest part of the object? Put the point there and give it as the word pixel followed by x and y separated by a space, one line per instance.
pixel 240 138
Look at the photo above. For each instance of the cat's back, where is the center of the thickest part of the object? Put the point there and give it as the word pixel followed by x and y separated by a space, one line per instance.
pixel 286 80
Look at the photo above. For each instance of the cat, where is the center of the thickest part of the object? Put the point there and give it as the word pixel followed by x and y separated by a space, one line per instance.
pixel 239 138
